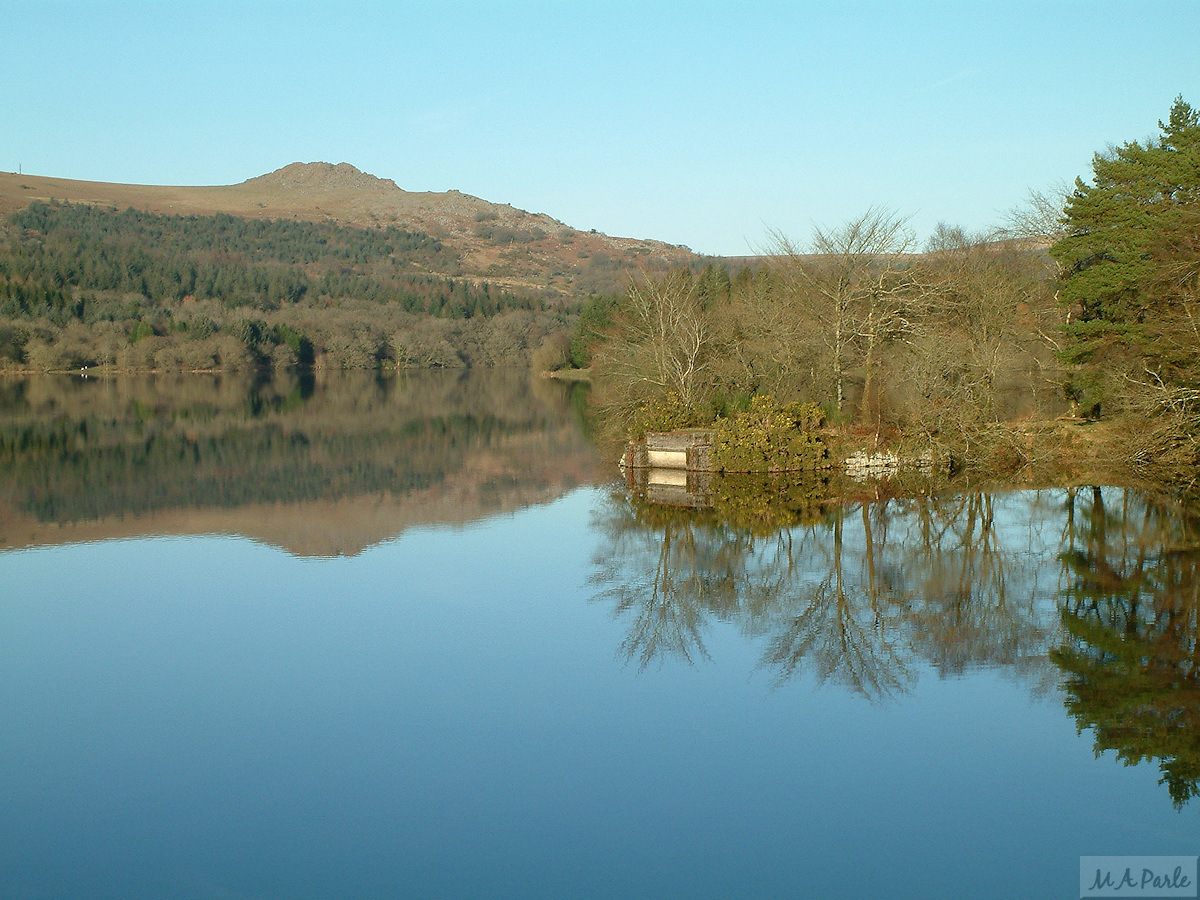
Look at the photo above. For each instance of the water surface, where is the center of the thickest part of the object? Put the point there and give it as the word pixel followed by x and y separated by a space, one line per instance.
pixel 371 675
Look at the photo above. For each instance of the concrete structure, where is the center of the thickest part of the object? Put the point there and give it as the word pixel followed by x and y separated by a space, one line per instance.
pixel 689 450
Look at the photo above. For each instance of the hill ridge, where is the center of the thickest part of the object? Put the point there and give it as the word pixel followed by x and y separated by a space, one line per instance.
pixel 323 175
pixel 499 243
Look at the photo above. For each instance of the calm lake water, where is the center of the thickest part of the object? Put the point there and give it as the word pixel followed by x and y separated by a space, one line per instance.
pixel 350 637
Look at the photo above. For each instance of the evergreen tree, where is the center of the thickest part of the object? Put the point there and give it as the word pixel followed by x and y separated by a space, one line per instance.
pixel 1141 199
pixel 1128 260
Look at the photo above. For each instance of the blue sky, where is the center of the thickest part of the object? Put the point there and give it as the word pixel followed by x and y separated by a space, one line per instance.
pixel 697 123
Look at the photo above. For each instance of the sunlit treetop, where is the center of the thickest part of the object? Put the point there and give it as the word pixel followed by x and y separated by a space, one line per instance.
pixel 1141 199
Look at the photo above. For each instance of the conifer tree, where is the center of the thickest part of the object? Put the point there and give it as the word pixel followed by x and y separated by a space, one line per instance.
pixel 1141 197
pixel 1129 264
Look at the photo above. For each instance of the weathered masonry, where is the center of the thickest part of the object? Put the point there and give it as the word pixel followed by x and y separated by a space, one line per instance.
pixel 689 449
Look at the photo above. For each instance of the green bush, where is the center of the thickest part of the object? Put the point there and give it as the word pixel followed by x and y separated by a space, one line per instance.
pixel 770 437
pixel 141 329
pixel 666 414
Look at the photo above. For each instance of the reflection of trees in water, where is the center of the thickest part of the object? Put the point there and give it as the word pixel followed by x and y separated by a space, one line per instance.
pixel 84 449
pixel 855 597
pixel 668 573
pixel 974 564
pixel 837 611
pixel 1130 615
pixel 899 580
pixel 869 590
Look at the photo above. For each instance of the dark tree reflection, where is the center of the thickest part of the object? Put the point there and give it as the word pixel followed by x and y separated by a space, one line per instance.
pixel 1092 592
pixel 844 618
pixel 1129 649
pixel 667 570
pixel 854 593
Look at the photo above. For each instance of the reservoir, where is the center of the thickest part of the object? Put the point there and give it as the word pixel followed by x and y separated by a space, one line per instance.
pixel 351 636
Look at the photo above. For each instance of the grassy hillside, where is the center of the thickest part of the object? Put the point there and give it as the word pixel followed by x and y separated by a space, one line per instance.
pixel 313 263
pixel 505 245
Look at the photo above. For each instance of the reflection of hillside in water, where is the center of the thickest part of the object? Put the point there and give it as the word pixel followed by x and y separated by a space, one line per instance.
pixel 1095 591
pixel 321 465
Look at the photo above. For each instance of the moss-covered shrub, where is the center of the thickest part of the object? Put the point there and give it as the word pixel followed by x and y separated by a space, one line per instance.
pixel 666 414
pixel 770 437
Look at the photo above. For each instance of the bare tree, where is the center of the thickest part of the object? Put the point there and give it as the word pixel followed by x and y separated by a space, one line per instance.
pixel 1040 220
pixel 981 343
pixel 660 342
pixel 853 290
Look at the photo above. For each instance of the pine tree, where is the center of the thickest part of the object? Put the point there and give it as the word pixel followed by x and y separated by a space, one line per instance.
pixel 1129 263
pixel 1141 200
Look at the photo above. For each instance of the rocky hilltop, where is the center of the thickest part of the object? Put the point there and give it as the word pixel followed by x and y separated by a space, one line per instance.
pixel 497 242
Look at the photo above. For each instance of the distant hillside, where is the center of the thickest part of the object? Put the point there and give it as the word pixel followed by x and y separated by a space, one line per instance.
pixel 505 246
pixel 83 285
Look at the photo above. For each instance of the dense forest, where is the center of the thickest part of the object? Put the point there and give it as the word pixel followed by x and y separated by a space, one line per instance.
pixel 1084 307
pixel 82 285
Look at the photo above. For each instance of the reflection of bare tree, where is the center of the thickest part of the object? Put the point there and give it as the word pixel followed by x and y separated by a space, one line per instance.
pixel 975 588
pixel 668 619
pixel 858 597
pixel 844 624
pixel 669 569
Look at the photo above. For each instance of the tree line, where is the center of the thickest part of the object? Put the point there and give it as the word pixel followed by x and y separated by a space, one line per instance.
pixel 942 342
pixel 1085 303
pixel 79 284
